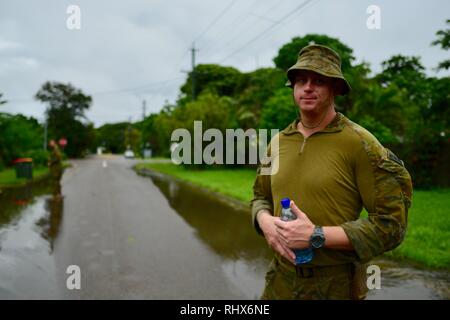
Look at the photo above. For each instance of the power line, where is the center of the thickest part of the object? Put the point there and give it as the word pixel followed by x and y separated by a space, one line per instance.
pixel 239 33
pixel 266 30
pixel 125 90
pixel 193 50
pixel 234 24
pixel 215 20
pixel 149 85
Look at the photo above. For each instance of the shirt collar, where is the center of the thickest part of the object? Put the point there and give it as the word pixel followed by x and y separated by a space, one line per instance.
pixel 336 125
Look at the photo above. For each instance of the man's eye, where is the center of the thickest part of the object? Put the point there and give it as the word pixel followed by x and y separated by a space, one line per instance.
pixel 319 82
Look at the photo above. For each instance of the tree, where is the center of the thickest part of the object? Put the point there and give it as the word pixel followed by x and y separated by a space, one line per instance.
pixel 132 139
pixel 401 70
pixel 111 136
pixel 20 137
pixel 383 111
pixel 279 111
pixel 287 55
pixel 149 134
pixel 65 115
pixel 443 40
pixel 214 111
pixel 223 81
pixel 407 75
pixel 258 87
pixel 425 116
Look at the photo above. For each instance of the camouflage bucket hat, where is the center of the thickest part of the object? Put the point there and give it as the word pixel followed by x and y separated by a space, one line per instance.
pixel 322 60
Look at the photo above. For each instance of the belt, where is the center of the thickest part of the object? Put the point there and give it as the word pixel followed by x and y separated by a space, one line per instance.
pixel 313 271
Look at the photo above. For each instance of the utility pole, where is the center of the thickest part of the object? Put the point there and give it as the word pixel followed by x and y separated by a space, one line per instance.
pixel 144 109
pixel 45 132
pixel 129 133
pixel 193 50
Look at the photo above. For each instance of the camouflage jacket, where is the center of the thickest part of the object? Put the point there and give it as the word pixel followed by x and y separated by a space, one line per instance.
pixel 55 161
pixel 331 176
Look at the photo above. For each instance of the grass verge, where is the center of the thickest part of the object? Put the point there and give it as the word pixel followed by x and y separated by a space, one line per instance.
pixel 8 177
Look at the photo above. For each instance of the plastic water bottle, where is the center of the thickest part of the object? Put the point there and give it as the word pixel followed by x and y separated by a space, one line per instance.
pixel 301 255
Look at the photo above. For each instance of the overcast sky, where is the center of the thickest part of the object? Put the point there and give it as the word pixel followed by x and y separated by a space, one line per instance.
pixel 128 51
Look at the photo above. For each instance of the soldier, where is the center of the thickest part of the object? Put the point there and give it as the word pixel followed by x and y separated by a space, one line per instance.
pixel 56 169
pixel 330 167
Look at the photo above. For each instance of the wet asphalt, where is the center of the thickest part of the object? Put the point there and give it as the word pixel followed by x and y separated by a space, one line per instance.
pixel 119 229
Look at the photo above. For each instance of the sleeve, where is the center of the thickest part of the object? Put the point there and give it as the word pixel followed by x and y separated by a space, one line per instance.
pixel 262 196
pixel 385 187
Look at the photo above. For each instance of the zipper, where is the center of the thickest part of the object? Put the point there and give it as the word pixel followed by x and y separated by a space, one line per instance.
pixel 303 145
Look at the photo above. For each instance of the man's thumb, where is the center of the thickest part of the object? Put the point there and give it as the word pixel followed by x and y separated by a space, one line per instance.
pixel 296 210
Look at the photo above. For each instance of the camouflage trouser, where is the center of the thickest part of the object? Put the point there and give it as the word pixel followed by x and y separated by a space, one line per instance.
pixel 56 183
pixel 286 282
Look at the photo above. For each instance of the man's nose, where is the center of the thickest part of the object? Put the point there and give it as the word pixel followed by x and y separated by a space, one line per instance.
pixel 308 85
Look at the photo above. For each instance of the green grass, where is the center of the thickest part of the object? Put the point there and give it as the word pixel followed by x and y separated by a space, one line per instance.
pixel 427 241
pixel 428 235
pixel 234 183
pixel 8 177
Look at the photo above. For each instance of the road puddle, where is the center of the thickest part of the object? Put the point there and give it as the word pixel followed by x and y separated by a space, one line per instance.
pixel 29 226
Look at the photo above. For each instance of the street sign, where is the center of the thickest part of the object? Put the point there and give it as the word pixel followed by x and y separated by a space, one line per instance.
pixel 62 142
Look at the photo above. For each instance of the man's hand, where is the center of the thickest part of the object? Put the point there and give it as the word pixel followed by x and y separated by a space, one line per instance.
pixel 295 234
pixel 267 224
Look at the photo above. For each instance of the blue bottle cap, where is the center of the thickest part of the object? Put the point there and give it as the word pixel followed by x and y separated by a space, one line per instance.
pixel 285 203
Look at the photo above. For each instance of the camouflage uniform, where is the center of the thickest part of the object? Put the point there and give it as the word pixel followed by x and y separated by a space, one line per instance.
pixel 331 176
pixel 56 170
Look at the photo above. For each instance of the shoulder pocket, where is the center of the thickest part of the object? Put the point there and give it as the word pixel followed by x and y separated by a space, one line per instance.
pixel 391 163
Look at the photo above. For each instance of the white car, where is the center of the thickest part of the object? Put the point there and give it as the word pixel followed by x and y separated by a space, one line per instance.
pixel 129 154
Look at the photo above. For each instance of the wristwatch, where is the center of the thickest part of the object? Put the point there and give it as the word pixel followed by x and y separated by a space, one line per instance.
pixel 317 239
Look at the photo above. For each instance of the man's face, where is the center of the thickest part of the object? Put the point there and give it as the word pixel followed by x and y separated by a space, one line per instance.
pixel 312 91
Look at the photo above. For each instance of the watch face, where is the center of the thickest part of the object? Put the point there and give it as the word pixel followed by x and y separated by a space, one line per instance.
pixel 318 238
pixel 317 241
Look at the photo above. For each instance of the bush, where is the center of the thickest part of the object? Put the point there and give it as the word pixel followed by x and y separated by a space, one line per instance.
pixel 40 157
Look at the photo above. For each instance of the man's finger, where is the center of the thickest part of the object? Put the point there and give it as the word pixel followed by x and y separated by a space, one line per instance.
pixel 280 232
pixel 280 223
pixel 281 236
pixel 283 250
pixel 288 253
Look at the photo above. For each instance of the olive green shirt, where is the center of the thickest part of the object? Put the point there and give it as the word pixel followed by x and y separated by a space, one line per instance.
pixel 331 176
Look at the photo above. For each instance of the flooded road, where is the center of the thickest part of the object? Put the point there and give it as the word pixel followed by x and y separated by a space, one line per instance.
pixel 140 238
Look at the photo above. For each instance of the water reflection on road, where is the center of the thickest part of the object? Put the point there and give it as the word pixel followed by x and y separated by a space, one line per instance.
pixel 225 229
pixel 29 226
